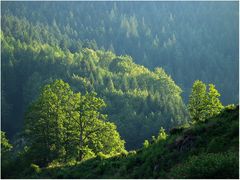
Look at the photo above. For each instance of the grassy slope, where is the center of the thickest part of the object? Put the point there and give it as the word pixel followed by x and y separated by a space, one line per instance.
pixel 205 150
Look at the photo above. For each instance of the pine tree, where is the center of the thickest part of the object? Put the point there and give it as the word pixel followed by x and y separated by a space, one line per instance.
pixel 110 85
pixel 125 85
pixel 99 79
pixel 91 78
pixel 134 83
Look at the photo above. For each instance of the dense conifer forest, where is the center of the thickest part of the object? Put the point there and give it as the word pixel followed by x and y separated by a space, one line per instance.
pixel 119 89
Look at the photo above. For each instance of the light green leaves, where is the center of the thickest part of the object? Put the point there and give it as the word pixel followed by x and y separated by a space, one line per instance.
pixel 5 145
pixel 204 104
pixel 62 125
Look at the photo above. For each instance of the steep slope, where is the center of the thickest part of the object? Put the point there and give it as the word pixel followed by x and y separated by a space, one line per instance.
pixel 205 150
pixel 139 101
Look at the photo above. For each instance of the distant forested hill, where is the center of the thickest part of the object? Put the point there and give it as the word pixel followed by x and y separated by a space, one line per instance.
pixel 138 100
pixel 190 40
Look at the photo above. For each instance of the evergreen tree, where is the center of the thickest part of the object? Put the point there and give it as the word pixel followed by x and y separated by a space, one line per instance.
pixel 99 79
pixel 134 83
pixel 110 85
pixel 125 85
pixel 91 78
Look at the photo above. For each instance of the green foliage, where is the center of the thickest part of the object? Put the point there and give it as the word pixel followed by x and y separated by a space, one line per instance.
pixel 64 45
pixel 182 155
pixel 146 144
pixel 151 42
pixel 217 144
pixel 230 107
pixel 35 168
pixel 203 104
pixel 102 156
pixel 162 135
pixel 197 102
pixel 62 126
pixel 5 145
pixel 48 120
pixel 133 152
pixel 214 106
pixel 6 156
pixel 135 96
pixel 219 165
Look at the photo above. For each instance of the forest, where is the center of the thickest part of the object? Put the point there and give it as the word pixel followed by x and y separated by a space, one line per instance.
pixel 119 90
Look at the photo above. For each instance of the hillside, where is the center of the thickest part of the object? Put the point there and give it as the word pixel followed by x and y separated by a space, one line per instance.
pixel 181 37
pixel 119 90
pixel 204 150
pixel 139 101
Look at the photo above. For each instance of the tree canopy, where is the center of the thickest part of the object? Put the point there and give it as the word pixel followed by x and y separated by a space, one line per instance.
pixel 203 104
pixel 153 33
pixel 5 145
pixel 135 96
pixel 62 125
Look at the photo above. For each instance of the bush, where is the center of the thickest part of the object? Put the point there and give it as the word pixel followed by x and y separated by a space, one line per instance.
pixel 162 135
pixel 217 145
pixel 146 144
pixel 230 107
pixel 54 163
pixel 35 168
pixel 220 165
pixel 176 130
pixel 132 152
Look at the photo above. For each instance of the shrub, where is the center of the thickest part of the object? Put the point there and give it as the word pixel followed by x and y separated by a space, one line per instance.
pixel 132 152
pixel 230 107
pixel 146 144
pixel 162 135
pixel 220 165
pixel 216 145
pixel 35 168
pixel 54 163
pixel 176 130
